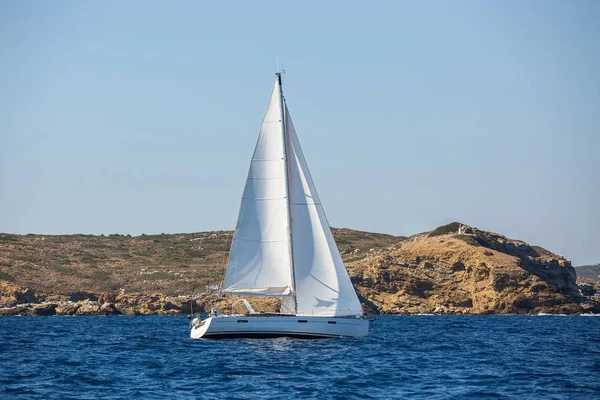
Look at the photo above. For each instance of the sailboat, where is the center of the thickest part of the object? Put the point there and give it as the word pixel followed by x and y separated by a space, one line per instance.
pixel 283 248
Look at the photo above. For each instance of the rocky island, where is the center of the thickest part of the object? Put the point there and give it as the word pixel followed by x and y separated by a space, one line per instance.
pixel 454 269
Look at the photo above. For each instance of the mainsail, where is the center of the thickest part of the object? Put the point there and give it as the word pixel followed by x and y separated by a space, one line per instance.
pixel 283 245
pixel 259 261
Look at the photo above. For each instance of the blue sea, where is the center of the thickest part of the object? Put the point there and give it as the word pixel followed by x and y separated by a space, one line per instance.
pixel 412 357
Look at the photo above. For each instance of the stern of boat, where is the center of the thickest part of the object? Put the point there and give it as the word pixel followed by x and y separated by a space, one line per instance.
pixel 199 327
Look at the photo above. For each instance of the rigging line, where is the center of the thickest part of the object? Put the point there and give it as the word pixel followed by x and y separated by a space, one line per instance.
pixel 225 256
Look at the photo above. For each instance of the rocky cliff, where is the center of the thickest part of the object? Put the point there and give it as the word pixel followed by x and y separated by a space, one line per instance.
pixel 443 271
pixel 471 272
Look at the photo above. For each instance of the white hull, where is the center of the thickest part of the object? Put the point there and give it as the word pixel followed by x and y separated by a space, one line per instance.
pixel 229 326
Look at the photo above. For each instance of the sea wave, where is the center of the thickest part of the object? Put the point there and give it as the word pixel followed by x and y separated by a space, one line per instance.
pixel 413 357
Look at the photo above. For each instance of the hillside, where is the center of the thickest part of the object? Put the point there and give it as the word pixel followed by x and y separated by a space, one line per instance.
pixel 172 264
pixel 474 272
pixel 434 272
pixel 588 271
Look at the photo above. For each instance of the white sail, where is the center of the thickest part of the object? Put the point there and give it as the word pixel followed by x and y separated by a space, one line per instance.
pixel 322 285
pixel 259 261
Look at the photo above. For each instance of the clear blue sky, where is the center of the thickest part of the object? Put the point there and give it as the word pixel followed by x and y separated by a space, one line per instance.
pixel 141 116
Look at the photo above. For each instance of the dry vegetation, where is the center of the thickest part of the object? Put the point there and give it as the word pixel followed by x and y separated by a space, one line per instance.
pixel 170 263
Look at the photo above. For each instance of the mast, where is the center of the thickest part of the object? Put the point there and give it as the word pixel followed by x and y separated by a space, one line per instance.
pixel 287 186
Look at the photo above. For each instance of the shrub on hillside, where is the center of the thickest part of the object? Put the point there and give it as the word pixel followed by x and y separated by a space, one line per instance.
pixel 442 230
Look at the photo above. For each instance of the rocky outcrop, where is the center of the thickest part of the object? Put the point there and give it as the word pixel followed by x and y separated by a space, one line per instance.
pixel 471 272
pixel 12 294
pixel 89 303
pixel 15 300
pixel 44 309
pixel 590 291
